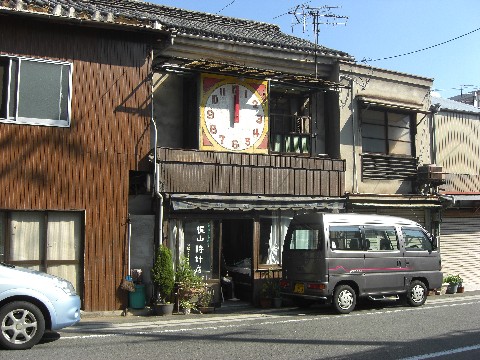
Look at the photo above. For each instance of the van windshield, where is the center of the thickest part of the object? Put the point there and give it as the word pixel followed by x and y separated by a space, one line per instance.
pixel 303 237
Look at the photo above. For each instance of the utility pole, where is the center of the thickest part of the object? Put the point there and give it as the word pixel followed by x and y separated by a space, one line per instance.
pixel 319 16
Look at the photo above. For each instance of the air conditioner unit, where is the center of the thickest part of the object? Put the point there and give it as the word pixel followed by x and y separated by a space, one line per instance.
pixel 431 173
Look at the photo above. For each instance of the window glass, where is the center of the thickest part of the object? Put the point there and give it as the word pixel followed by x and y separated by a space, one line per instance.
pixel 416 240
pixel 3 86
pixel 27 238
pixel 2 236
pixel 400 148
pixel 381 239
pixel 345 238
pixel 47 103
pixel 49 241
pixel 34 92
pixel 385 132
pixel 305 239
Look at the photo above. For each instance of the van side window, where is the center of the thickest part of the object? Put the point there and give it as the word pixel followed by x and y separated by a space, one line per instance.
pixel 304 239
pixel 345 238
pixel 416 239
pixel 380 238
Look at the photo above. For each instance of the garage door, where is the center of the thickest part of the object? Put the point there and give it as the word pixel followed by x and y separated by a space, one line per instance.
pixel 460 249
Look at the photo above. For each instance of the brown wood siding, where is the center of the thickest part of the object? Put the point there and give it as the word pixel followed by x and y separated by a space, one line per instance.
pixel 191 171
pixel 85 166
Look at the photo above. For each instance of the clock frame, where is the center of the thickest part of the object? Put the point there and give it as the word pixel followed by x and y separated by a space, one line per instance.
pixel 233 114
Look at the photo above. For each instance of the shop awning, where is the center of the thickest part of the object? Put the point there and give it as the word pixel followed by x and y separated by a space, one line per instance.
pixel 184 202
pixel 394 201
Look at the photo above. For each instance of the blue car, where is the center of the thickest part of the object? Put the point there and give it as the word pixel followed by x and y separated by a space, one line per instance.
pixel 30 303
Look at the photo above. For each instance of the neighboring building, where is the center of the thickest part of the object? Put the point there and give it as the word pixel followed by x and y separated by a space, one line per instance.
pixel 384 136
pixel 75 113
pixel 456 140
pixel 471 98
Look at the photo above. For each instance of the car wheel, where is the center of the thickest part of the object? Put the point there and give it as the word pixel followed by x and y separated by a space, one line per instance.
pixel 22 325
pixel 417 293
pixel 344 299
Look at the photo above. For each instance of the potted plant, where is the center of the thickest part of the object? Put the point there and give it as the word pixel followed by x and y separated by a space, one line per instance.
pixel 205 298
pixel 452 281
pixel 270 290
pixel 189 285
pixel 164 280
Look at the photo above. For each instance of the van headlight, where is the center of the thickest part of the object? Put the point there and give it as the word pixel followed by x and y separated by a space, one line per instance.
pixel 66 286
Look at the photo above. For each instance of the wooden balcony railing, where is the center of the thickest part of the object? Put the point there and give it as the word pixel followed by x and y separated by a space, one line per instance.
pixel 206 172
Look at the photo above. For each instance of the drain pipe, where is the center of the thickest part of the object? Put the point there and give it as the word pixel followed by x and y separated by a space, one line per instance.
pixel 354 135
pixel 156 178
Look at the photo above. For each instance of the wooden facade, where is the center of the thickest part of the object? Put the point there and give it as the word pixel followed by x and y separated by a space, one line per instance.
pixel 208 172
pixel 85 166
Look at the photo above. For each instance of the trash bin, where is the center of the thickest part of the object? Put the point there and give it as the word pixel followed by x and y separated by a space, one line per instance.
pixel 136 299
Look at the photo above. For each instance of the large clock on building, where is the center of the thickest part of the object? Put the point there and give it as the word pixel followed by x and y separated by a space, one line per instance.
pixel 233 114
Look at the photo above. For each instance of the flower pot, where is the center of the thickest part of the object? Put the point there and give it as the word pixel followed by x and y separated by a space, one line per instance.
pixel 163 309
pixel 452 288
pixel 277 302
pixel 265 302
pixel 460 289
pixel 206 309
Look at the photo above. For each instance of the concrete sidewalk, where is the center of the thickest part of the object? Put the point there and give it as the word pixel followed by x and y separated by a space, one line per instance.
pixel 227 308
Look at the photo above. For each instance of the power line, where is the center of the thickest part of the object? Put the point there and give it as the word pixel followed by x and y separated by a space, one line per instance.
pixel 218 12
pixel 420 50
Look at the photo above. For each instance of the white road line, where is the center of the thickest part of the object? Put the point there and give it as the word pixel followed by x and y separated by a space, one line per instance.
pixel 237 322
pixel 443 353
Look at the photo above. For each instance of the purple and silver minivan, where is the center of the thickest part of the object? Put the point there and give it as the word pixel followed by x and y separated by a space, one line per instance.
pixel 337 258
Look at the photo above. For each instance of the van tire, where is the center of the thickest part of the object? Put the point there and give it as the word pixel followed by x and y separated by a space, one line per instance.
pixel 417 293
pixel 344 299
pixel 23 316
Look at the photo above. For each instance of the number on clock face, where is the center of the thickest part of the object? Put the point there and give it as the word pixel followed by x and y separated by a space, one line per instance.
pixel 234 117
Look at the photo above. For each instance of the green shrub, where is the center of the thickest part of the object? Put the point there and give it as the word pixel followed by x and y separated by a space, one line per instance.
pixel 452 279
pixel 163 274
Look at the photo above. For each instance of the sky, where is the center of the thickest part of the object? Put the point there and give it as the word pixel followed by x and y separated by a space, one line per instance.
pixel 438 39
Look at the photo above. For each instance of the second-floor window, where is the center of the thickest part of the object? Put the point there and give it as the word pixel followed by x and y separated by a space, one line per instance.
pixel 386 132
pixel 34 92
pixel 290 123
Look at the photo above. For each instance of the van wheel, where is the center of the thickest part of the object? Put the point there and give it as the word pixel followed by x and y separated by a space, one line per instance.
pixel 417 293
pixel 22 325
pixel 344 299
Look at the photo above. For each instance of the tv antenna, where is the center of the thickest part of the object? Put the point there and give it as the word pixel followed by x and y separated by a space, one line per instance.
pixel 462 87
pixel 318 16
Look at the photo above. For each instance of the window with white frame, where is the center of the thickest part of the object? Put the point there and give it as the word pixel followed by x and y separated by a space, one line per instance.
pixel 34 91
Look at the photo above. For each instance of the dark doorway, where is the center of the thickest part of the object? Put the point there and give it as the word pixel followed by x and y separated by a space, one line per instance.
pixel 237 252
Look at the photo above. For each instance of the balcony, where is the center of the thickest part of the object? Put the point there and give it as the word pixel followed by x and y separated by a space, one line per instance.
pixel 206 172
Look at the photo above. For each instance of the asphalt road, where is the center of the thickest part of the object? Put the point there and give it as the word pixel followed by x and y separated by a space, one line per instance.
pixel 444 328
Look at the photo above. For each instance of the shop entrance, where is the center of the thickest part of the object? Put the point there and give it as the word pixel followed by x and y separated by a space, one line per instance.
pixel 237 253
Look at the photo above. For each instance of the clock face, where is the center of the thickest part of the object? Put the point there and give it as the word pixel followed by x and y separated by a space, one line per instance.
pixel 233 117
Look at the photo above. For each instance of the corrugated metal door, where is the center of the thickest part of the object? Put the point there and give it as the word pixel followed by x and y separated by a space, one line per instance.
pixel 460 249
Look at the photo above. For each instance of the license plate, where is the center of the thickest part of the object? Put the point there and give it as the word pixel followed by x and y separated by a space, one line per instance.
pixel 299 288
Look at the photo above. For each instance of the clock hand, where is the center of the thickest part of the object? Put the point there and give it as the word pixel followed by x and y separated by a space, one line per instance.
pixel 236 102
